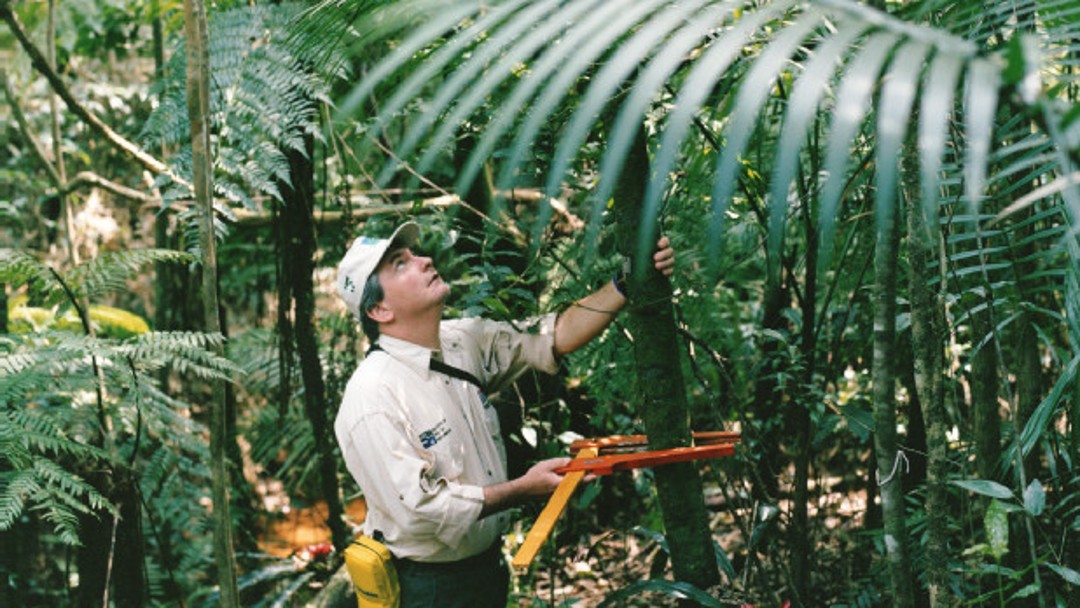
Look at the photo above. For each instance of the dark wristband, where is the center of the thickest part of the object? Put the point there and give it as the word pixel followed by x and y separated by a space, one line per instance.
pixel 619 281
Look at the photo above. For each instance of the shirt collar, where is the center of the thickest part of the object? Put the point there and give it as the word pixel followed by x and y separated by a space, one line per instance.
pixel 413 355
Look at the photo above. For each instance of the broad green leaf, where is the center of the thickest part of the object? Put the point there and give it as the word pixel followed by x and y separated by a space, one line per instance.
pixel 1034 498
pixel 1071 576
pixel 985 487
pixel 1026 591
pixel 1044 412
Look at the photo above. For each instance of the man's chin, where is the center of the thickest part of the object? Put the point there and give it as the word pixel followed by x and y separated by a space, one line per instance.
pixel 442 287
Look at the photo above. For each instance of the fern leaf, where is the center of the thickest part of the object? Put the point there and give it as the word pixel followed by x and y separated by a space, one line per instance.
pixel 20 268
pixel 187 352
pixel 109 272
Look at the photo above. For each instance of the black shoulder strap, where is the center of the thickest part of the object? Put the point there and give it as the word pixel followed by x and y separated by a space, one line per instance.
pixel 455 372
pixel 445 368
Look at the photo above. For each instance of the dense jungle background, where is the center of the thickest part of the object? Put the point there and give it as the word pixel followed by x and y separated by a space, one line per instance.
pixel 875 208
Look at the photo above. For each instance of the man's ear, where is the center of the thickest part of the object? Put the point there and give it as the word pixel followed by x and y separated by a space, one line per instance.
pixel 381 313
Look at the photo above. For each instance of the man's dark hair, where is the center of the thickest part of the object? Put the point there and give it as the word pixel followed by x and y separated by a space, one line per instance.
pixel 373 294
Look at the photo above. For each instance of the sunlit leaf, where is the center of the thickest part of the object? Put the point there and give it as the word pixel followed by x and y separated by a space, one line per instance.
pixel 996 523
pixel 1034 498
pixel 985 487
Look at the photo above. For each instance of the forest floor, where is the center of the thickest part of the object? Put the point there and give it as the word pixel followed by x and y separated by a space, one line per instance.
pixel 588 557
pixel 580 574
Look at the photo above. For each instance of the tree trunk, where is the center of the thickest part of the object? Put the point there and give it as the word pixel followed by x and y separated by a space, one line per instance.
pixel 927 342
pixel 296 218
pixel 129 572
pixel 95 534
pixel 803 427
pixel 1024 356
pixel 889 464
pixel 660 385
pixel 198 105
pixel 767 396
pixel 984 406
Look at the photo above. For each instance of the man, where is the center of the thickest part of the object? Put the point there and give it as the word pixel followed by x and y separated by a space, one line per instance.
pixel 416 429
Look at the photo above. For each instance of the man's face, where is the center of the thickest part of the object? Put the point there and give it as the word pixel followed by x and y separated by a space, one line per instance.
pixel 411 285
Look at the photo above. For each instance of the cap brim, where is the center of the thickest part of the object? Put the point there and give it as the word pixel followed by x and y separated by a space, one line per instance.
pixel 406 235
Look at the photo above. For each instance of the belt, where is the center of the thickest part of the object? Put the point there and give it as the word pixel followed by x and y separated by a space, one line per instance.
pixel 487 557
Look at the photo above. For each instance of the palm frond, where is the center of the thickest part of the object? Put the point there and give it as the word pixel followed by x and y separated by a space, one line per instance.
pixel 506 50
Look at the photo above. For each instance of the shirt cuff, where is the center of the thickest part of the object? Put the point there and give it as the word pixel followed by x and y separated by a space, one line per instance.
pixel 466 503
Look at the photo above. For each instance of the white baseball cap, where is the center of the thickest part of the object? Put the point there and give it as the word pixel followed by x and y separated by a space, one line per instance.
pixel 363 258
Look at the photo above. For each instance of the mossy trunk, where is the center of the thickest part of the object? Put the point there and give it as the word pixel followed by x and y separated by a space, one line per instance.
pixel 927 342
pixel 890 467
pixel 661 390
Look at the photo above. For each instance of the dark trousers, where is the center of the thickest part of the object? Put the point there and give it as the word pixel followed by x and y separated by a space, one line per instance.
pixel 481 581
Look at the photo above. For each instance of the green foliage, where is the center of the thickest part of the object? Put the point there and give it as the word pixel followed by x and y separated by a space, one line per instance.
pixel 77 409
pixel 35 449
pixel 1033 504
pixel 90 279
pixel 264 99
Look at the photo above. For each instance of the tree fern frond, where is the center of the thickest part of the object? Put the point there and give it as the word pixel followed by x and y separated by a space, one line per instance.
pixel 171 422
pixel 187 352
pixel 109 271
pixel 46 434
pixel 15 363
pixel 56 494
pixel 264 95
pixel 70 489
pixel 16 488
pixel 20 268
pixel 65 522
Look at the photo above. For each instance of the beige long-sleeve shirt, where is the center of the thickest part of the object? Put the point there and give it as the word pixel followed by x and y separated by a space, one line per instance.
pixel 423 445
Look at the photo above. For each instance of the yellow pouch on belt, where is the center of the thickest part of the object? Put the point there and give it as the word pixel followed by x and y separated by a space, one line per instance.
pixel 374 577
